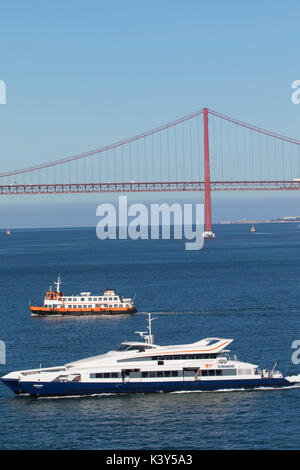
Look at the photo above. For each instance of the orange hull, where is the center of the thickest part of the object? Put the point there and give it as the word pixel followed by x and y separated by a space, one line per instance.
pixel 81 311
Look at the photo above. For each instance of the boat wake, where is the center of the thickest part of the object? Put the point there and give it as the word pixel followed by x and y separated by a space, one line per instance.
pixel 61 397
pixel 294 378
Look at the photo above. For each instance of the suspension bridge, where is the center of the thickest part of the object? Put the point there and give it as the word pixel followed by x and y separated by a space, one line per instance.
pixel 203 151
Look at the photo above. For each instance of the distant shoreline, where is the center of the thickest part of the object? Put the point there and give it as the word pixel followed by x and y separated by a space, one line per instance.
pixel 287 220
pixel 281 220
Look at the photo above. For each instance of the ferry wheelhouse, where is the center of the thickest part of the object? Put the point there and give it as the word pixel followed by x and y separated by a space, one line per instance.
pixel 85 303
pixel 142 366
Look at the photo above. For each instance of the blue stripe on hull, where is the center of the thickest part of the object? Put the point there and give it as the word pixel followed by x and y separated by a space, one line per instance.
pixel 85 388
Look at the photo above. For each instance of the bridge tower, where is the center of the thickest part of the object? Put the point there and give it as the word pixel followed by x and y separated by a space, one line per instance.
pixel 208 233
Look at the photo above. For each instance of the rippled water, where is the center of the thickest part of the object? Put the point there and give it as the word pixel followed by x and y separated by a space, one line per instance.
pixel 242 286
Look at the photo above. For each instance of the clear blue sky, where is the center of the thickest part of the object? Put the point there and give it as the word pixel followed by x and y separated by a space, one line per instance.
pixel 80 75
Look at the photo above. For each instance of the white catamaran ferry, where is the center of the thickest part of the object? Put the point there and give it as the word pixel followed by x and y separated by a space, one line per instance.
pixel 142 366
pixel 85 303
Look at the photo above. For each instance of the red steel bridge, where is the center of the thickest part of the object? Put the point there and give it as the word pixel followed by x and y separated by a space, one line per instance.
pixel 204 151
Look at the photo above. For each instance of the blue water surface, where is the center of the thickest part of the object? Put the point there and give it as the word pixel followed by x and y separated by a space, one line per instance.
pixel 240 285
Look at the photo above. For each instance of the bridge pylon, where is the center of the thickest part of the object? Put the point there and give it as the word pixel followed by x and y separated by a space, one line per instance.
pixel 208 233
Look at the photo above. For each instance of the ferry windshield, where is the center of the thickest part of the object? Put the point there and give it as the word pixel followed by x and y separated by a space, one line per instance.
pixel 132 347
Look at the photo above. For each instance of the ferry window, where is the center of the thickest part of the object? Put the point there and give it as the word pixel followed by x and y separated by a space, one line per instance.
pixel 114 375
pixel 167 373
pixel 110 298
pixel 228 371
pixel 90 298
pixel 183 356
pixel 85 306
pixel 174 373
pixel 189 373
pixel 152 374
pixel 106 375
pixel 218 372
pixel 144 374
pixel 95 299
pixel 79 306
pixel 204 372
pixel 116 298
pixel 104 298
pixel 96 376
pixel 211 372
pixel 126 347
pixel 82 299
pixel 160 373
pixel 244 372
pixel 100 298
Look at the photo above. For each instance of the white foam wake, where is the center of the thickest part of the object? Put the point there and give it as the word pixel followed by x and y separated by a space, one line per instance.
pixel 293 378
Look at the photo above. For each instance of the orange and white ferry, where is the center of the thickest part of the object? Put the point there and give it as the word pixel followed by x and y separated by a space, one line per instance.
pixel 56 303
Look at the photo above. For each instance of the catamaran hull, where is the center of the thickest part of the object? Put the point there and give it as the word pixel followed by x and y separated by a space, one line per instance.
pixel 84 388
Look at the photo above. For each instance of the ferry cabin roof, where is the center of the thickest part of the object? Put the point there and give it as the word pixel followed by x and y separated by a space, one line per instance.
pixel 137 350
